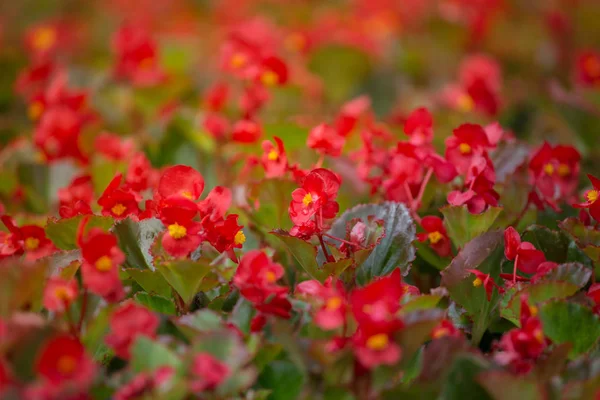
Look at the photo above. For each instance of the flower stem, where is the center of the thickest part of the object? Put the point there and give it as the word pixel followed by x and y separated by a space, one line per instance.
pixel 324 248
pixel 515 269
pixel 422 188
pixel 83 309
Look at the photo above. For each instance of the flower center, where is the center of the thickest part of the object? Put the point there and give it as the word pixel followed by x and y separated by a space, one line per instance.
pixel 307 199
pixel 177 231
pixel 44 38
pixel 273 155
pixel 62 293
pixel 464 148
pixel 295 42
pixel 35 110
pixel 66 365
pixel 564 170
pixel 269 78
pixel 32 243
pixel 465 103
pixel 435 237
pixel 592 66
pixel 146 63
pixel 533 310
pixel 104 264
pixel 239 238
pixel 438 333
pixel 592 196
pixel 549 169
pixel 270 276
pixel 238 60
pixel 539 335
pixel 477 282
pixel 187 195
pixel 378 342
pixel 333 303
pixel 118 209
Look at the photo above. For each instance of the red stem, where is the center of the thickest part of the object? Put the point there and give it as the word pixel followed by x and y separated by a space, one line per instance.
pixel 423 186
pixel 342 240
pixel 327 256
pixel 515 269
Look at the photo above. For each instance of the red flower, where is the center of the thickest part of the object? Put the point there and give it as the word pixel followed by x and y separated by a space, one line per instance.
pixel 480 77
pixel 375 348
pixel 315 198
pixel 75 199
pixel 112 147
pixel 30 239
pixel 216 203
pixel 59 294
pixel 272 71
pixel 326 140
pixel 331 299
pixel 182 235
pixel 445 329
pixel 140 175
pixel 6 379
pixel 35 77
pixel 57 134
pixel 63 361
pixel 593 293
pixel 216 125
pixel 435 232
pixel 554 171
pixel 246 131
pixel 224 235
pixel 216 96
pixel 119 202
pixel 524 254
pixel 467 141
pixel 208 372
pixel 588 68
pixel 129 322
pixel 487 282
pixel 419 127
pixel 349 114
pixel 101 260
pixel 180 180
pixel 591 197
pixel 274 159
pixel 256 278
pixel 144 383
pixel 43 40
pixel 137 58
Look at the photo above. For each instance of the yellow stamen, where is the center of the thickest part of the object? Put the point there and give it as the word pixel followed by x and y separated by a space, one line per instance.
pixel 32 243
pixel 295 42
pixel 465 103
pixel 549 169
pixel 62 293
pixel 239 238
pixel 238 60
pixel 146 63
pixel 104 264
pixel 435 237
pixel 44 38
pixel 187 195
pixel 378 342
pixel 269 78
pixel 438 333
pixel 271 277
pixel 477 282
pixel 333 303
pixel 539 335
pixel 564 170
pixel 307 199
pixel 66 365
pixel 533 310
pixel 118 209
pixel 35 110
pixel 464 148
pixel 273 155
pixel 177 231
pixel 592 195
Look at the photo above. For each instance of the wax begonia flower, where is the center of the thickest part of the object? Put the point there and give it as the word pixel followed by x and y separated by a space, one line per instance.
pixel 274 159
pixel 118 201
pixel 182 232
pixel 216 203
pixel 527 258
pixel 246 131
pixel 331 298
pixel 435 233
pixel 419 127
pixel 208 372
pixel 59 294
pixel 587 70
pixel 63 361
pixel 101 262
pixel 75 199
pixel 466 141
pixel 216 96
pixel 350 113
pixel 140 174
pixel 180 180
pixel 486 281
pixel 144 384
pixel 591 197
pixel 481 78
pixel 127 323
pixel 445 329
pixel 326 140
pixel 28 239
pixel 554 171
pixel 112 146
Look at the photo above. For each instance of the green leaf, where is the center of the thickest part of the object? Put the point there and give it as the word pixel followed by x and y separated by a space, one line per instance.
pixel 198 322
pixel 185 276
pixel 336 268
pixel 156 303
pixel 93 339
pixel 393 250
pixel 555 245
pixel 417 329
pixel 147 355
pixel 273 197
pixel 575 273
pixel 502 385
pixel 422 302
pixel 483 253
pixel 152 282
pixel 565 322
pixel 135 239
pixel 463 226
pixel 584 235
pixel 304 252
pixel 461 383
pixel 63 232
pixel 21 285
pixel 284 380
pixel 538 292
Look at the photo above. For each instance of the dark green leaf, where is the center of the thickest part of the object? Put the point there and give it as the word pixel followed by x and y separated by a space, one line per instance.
pixel 463 226
pixel 147 355
pixel 185 276
pixel 503 385
pixel 135 239
pixel 63 232
pixel 156 303
pixel 304 252
pixel 284 380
